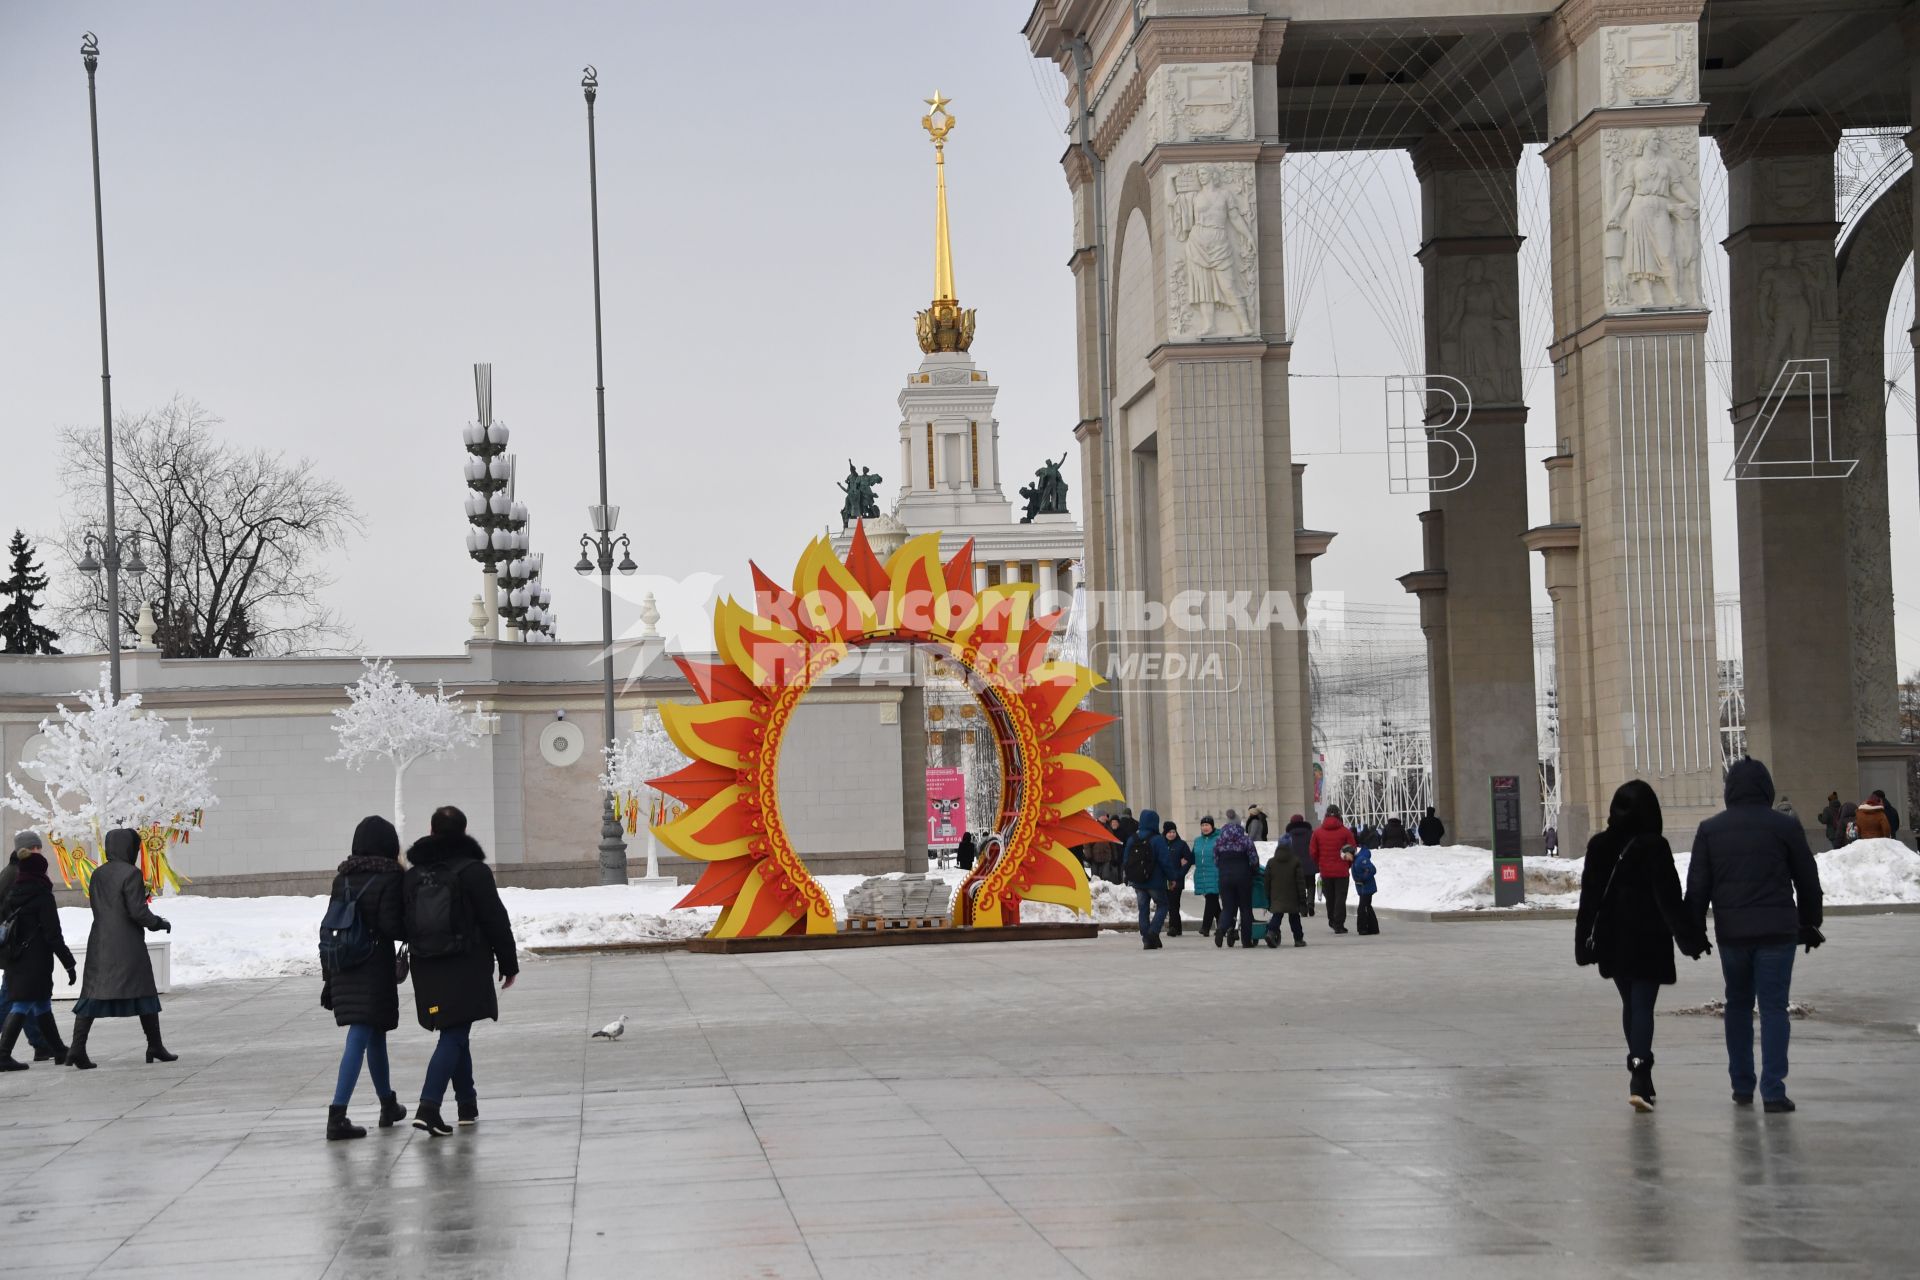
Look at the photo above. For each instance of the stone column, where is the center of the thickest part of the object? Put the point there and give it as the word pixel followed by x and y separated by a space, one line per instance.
pixel 1049 585
pixel 1308 545
pixel 1478 613
pixel 1630 526
pixel 979 578
pixel 913 773
pixel 1796 657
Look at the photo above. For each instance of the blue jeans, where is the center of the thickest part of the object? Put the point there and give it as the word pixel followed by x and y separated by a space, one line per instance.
pixel 1153 908
pixel 452 1061
pixel 1765 972
pixel 369 1043
pixel 31 1027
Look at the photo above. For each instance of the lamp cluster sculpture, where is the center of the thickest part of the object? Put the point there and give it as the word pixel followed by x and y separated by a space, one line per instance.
pixel 500 537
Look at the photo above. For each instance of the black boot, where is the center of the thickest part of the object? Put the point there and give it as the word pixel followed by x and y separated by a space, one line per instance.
pixel 427 1120
pixel 1219 937
pixel 339 1127
pixel 1273 936
pixel 468 1109
pixel 54 1050
pixel 391 1112
pixel 77 1054
pixel 1640 1086
pixel 156 1052
pixel 9 1034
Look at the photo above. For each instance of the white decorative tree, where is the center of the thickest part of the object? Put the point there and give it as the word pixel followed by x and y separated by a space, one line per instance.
pixel 111 765
pixel 388 719
pixel 634 761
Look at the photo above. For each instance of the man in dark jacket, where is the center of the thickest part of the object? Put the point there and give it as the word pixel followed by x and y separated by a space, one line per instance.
pixel 365 999
pixel 1753 867
pixel 1299 837
pixel 29 905
pixel 1149 864
pixel 25 845
pixel 1431 830
pixel 1288 884
pixel 1181 861
pixel 458 930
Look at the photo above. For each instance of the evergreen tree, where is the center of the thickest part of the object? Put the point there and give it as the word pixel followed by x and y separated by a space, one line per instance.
pixel 19 633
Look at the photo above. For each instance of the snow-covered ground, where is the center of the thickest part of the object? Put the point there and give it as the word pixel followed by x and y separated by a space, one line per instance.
pixel 215 938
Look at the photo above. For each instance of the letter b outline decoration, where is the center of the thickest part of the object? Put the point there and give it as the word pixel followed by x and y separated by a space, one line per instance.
pixel 1416 446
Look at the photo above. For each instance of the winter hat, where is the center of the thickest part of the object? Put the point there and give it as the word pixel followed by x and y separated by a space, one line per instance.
pixel 33 868
pixel 448 821
pixel 1298 817
pixel 1232 816
pixel 1168 828
pixel 376 838
pixel 1207 821
pixel 24 841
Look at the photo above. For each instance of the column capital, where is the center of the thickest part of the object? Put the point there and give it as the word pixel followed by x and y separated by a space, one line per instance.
pixel 1231 37
pixel 1778 137
pixel 1572 23
pixel 1497 149
pixel 1086 429
pixel 1165 153
pixel 1467 246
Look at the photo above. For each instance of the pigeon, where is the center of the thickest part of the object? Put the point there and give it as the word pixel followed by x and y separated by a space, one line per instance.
pixel 613 1030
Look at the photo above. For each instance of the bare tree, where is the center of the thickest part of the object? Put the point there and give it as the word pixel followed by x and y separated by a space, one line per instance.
pixel 234 540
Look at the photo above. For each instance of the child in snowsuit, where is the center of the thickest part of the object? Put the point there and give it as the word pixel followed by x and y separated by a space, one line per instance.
pixel 1365 884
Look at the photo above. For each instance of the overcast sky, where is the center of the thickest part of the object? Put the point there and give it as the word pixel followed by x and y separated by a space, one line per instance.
pixel 319 217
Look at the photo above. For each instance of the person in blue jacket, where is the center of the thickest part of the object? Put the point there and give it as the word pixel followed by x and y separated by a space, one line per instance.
pixel 1150 867
pixel 1206 877
pixel 1365 884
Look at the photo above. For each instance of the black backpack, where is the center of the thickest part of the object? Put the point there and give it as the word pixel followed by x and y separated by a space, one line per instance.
pixel 345 940
pixel 13 937
pixel 438 918
pixel 1140 861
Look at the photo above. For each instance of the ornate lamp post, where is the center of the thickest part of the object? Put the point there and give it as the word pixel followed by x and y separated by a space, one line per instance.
pixel 109 544
pixel 603 518
pixel 490 507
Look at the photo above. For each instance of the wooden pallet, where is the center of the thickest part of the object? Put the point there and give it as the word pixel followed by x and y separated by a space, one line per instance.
pixel 856 924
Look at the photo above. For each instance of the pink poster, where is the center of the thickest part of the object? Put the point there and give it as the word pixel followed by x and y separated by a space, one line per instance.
pixel 946 806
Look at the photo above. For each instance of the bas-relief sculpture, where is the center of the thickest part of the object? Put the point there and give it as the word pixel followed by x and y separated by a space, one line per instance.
pixel 1652 199
pixel 1650 64
pixel 1790 302
pixel 1212 265
pixel 1476 333
pixel 1204 101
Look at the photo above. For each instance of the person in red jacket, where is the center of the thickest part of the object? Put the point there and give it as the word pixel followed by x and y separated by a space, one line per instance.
pixel 1327 847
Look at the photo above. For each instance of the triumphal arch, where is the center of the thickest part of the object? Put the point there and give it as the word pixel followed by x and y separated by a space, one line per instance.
pixel 1183 113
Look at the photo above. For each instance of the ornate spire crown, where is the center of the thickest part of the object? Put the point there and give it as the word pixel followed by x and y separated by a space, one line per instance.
pixel 944 326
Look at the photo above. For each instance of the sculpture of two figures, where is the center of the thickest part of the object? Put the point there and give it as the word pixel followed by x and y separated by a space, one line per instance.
pixel 1047 495
pixel 860 503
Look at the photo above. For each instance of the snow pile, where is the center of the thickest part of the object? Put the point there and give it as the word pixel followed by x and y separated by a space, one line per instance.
pixel 1112 904
pixel 1870 871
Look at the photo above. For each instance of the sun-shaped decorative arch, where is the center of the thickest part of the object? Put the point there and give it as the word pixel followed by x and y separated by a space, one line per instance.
pixel 772 654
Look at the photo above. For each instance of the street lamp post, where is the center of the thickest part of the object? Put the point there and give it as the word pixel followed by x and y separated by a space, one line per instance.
pixel 603 517
pixel 110 544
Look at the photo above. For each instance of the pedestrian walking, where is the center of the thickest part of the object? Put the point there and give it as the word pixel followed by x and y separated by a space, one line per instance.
pixel 457 930
pixel 1148 866
pixel 1206 876
pixel 1236 858
pixel 1431 830
pixel 25 845
pixel 1365 885
pixel 1834 819
pixel 360 984
pixel 1181 857
pixel 1289 883
pixel 1630 918
pixel 1870 820
pixel 33 942
pixel 1550 840
pixel 1329 847
pixel 118 982
pixel 964 856
pixel 1256 824
pixel 1299 835
pixel 1753 868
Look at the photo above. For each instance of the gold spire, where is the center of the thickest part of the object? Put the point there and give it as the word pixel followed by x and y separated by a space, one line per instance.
pixel 944 326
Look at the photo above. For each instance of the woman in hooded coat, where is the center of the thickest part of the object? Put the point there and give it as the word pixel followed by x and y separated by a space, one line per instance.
pixel 366 998
pixel 30 905
pixel 119 981
pixel 963 857
pixel 1631 914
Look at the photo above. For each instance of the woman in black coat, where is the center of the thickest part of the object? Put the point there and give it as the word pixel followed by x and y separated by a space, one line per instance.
pixel 965 854
pixel 118 981
pixel 1631 914
pixel 453 988
pixel 30 977
pixel 365 999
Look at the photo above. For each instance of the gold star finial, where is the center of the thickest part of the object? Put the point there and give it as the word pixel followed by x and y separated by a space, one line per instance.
pixel 938 122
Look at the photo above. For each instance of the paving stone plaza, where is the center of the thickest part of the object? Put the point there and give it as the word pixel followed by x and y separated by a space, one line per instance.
pixel 1442 1100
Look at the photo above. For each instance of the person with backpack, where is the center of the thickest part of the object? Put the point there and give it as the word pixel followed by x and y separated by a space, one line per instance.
pixel 1329 847
pixel 1288 884
pixel 1206 877
pixel 1236 858
pixel 1365 885
pixel 366 916
pixel 1630 916
pixel 1833 819
pixel 25 845
pixel 118 982
pixel 1431 830
pixel 1147 863
pixel 31 925
pixel 457 930
pixel 1299 836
